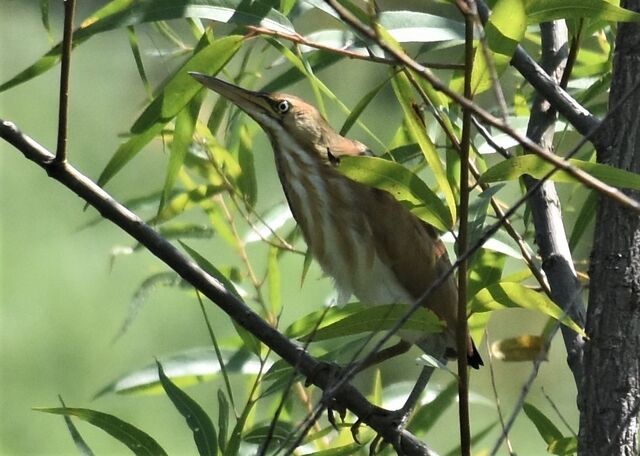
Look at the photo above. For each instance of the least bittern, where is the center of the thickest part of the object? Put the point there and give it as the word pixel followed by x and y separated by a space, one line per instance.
pixel 371 245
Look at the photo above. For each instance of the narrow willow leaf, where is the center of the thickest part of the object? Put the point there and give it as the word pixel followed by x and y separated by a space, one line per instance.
pixel 475 438
pixel 247 182
pixel 318 61
pixel 401 183
pixel 151 283
pixel 273 279
pixel 211 270
pixel 548 431
pixel 323 317
pixel 506 294
pixel 404 94
pixel 178 91
pixel 184 200
pixel 478 210
pixel 204 434
pixel 124 13
pixel 504 31
pixel 223 420
pixel 485 270
pixel 135 49
pixel 380 318
pixel 537 167
pixel 522 348
pixel 563 446
pixel 549 10
pixel 44 16
pixel 360 107
pixel 189 367
pixel 79 442
pixel 306 264
pixel 139 442
pixel 417 27
pixel 185 126
pixel 428 414
pixel 258 434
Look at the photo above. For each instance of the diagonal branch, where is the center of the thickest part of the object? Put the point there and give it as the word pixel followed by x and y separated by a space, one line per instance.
pixel 296 356
pixel 403 59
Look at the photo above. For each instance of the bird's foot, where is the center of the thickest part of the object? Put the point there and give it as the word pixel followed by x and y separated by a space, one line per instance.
pixel 334 374
pixel 388 419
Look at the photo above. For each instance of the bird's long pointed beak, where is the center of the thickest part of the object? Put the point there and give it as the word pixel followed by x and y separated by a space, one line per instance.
pixel 253 103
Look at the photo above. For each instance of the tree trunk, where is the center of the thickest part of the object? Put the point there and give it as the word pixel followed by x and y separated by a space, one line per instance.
pixel 611 391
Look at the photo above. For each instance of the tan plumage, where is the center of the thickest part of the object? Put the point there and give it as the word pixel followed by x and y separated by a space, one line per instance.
pixel 363 238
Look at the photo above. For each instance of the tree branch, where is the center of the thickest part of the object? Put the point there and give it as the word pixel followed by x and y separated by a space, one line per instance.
pixel 297 357
pixel 581 119
pixel 560 163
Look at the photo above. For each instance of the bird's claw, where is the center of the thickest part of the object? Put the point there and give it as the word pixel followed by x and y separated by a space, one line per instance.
pixel 334 372
pixel 385 418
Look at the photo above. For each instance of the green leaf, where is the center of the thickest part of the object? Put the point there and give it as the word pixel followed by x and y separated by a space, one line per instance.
pixel 379 318
pixel 273 278
pixel 504 31
pixel 538 167
pixel 360 107
pixel 548 431
pixel 80 443
pixel 184 200
pixel 258 434
pixel 125 13
pixel 525 347
pixel 563 446
pixel 185 126
pixel 401 183
pixel 508 294
pixel 428 414
pixel 198 421
pixel 139 442
pixel 188 367
pixel 486 270
pixel 404 94
pixel 211 270
pixel 550 10
pixel 223 420
pixel 344 450
pixel 179 90
pixel 416 27
pixel 247 183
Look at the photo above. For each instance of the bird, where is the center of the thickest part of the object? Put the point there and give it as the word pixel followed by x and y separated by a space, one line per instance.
pixel 371 245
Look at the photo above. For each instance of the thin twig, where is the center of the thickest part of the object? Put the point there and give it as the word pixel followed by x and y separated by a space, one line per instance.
pixel 299 39
pixel 63 106
pixel 495 393
pixel 558 162
pixel 462 329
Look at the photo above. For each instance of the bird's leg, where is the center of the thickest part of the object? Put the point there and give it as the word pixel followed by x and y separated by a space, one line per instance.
pixel 397 418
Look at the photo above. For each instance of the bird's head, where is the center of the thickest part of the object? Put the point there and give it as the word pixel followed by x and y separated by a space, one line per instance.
pixel 287 119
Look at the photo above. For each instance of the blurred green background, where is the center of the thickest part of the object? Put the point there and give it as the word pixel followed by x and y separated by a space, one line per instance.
pixel 61 304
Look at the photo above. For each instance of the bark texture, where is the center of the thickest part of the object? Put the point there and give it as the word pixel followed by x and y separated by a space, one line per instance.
pixel 611 390
pixel 551 239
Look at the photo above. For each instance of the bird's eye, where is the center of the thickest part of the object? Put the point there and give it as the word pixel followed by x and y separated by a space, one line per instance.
pixel 283 106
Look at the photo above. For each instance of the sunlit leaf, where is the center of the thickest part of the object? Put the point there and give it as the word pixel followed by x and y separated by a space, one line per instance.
pixel 538 167
pixel 507 294
pixel 550 10
pixel 278 434
pixel 548 431
pixel 521 348
pixel 204 434
pixel 223 420
pixel 139 442
pixel 379 318
pixel 401 183
pixel 428 414
pixel 188 367
pixel 185 125
pixel 563 446
pixel 404 94
pixel 180 89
